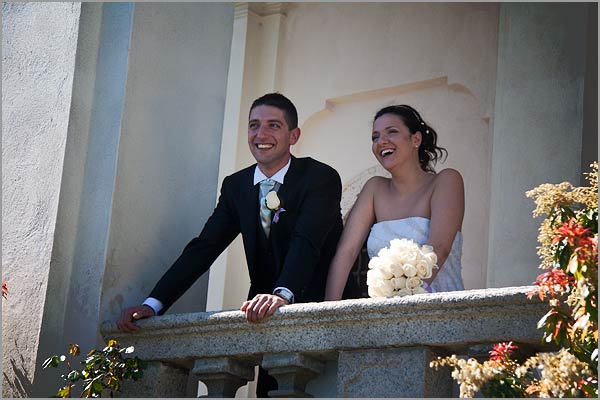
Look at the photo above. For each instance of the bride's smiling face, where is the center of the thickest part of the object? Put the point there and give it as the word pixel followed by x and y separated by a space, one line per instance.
pixel 393 143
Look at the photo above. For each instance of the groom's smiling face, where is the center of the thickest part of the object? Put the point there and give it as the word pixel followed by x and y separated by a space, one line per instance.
pixel 270 138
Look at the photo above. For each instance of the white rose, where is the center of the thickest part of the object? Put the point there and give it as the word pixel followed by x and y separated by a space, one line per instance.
pixel 399 282
pixel 385 253
pixel 382 265
pixel 273 201
pixel 374 291
pixel 426 249
pixel 409 270
pixel 410 256
pixel 381 289
pixel 374 276
pixel 423 270
pixel 403 292
pixel 414 282
pixel 375 263
pixel 397 270
pixel 431 258
pixel 419 290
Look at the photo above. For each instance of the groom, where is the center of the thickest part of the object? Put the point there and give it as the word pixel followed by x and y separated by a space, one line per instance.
pixel 289 240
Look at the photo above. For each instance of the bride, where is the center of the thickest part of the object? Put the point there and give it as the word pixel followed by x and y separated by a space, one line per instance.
pixel 415 203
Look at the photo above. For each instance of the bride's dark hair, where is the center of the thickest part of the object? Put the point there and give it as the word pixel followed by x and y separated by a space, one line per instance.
pixel 429 151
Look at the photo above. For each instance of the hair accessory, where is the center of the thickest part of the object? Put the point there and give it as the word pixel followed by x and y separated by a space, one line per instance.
pixel 414 113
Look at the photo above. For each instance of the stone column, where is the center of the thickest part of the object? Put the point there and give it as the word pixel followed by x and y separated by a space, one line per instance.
pixel 160 380
pixel 223 376
pixel 292 371
pixel 395 372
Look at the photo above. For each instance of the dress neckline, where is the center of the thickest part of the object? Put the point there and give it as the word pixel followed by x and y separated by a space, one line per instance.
pixel 400 219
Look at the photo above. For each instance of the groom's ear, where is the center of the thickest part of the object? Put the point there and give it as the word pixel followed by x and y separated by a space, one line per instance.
pixel 294 136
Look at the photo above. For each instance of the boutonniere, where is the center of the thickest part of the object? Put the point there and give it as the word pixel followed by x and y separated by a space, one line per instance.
pixel 274 204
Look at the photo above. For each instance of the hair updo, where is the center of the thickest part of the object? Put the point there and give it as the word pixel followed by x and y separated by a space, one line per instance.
pixel 429 151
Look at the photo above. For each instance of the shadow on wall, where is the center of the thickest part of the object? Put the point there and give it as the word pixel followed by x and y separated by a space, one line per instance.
pixel 21 383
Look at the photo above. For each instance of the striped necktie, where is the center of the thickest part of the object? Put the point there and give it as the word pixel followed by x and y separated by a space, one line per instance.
pixel 266 186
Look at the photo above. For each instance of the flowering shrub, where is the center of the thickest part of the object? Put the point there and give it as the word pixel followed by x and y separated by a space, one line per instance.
pixel 568 249
pixel 102 371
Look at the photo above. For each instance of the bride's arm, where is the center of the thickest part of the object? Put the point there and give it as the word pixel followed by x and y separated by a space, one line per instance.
pixel 358 224
pixel 447 211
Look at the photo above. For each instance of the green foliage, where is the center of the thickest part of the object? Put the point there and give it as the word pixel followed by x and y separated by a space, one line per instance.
pixel 103 370
pixel 503 386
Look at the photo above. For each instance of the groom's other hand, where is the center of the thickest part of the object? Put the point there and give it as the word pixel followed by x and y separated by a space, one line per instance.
pixel 127 321
pixel 262 306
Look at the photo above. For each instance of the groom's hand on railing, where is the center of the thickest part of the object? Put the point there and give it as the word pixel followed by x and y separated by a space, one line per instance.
pixel 262 306
pixel 126 322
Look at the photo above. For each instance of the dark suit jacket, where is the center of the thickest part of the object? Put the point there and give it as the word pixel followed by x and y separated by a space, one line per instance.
pixel 303 241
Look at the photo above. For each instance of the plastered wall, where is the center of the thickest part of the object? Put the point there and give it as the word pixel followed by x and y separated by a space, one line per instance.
pixel 38 57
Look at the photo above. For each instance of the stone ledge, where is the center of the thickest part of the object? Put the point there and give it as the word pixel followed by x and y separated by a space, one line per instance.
pixel 449 320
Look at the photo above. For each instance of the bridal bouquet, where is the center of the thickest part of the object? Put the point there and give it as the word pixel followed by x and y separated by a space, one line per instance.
pixel 399 270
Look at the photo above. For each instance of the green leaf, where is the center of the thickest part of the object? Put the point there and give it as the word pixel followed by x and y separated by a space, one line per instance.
pixel 53 361
pixel 97 387
pixel 74 375
pixel 64 392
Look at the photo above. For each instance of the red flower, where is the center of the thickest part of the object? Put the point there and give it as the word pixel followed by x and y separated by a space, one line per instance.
pixel 502 350
pixel 555 280
pixel 4 289
pixel 572 232
pixel 587 250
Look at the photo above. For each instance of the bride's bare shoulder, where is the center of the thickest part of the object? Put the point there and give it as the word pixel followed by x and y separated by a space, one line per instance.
pixel 375 182
pixel 449 177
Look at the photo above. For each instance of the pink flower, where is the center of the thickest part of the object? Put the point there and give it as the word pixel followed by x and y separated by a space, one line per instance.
pixel 502 350
pixel 277 212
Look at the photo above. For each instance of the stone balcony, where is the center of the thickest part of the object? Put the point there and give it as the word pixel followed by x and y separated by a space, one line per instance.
pixel 350 348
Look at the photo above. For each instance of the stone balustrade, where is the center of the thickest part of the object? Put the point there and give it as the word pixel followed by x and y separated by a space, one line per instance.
pixel 351 348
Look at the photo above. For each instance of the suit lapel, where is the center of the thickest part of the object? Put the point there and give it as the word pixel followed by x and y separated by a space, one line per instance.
pixel 290 181
pixel 248 215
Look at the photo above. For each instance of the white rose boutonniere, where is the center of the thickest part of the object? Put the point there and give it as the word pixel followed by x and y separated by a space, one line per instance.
pixel 274 204
pixel 399 270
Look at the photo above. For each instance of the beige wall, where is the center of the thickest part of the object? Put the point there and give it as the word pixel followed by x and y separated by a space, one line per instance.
pixel 341 62
pixel 112 120
pixel 538 126
pixel 38 57
pixel 166 179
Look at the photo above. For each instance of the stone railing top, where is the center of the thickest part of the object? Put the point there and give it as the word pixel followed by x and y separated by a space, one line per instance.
pixel 450 320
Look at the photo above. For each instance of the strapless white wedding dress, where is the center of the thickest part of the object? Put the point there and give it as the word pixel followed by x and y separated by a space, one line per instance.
pixel 417 229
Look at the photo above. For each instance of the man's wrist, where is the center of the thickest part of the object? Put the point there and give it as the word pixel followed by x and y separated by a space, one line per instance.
pixel 284 293
pixel 155 304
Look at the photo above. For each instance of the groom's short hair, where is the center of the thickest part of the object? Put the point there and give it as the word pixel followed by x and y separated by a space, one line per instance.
pixel 283 103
